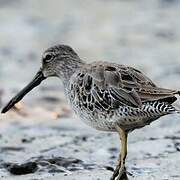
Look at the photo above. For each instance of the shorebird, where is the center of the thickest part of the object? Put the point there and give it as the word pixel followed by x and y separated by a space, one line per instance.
pixel 106 96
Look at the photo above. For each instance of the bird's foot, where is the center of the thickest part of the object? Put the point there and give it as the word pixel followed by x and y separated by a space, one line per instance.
pixel 120 173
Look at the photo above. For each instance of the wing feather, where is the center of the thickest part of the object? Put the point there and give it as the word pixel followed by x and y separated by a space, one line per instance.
pixel 112 85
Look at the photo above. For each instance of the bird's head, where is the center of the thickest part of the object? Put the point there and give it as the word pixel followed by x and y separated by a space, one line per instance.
pixel 59 61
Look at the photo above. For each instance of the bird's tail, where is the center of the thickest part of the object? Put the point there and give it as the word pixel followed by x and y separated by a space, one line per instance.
pixel 177 111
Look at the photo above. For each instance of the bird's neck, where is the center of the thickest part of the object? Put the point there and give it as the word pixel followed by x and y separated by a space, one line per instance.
pixel 70 67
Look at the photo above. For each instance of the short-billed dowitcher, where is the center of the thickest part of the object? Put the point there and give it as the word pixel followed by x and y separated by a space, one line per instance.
pixel 106 96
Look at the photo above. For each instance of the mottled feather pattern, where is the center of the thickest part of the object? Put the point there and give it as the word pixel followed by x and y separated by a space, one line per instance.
pixel 107 93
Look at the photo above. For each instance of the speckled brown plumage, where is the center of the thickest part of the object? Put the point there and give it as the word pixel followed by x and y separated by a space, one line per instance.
pixel 105 93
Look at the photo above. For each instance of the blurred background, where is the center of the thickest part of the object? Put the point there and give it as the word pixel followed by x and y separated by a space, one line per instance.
pixel 139 33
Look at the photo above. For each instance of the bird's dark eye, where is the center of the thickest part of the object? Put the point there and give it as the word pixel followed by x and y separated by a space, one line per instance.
pixel 47 57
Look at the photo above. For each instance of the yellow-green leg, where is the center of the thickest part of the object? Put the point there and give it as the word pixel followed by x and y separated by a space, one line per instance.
pixel 120 170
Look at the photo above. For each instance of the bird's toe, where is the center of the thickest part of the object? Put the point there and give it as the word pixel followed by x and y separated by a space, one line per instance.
pixel 116 172
pixel 120 173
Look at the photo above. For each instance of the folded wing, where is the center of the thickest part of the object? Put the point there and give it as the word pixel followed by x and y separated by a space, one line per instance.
pixel 108 86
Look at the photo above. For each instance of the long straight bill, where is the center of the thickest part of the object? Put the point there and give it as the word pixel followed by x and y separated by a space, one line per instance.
pixel 39 77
